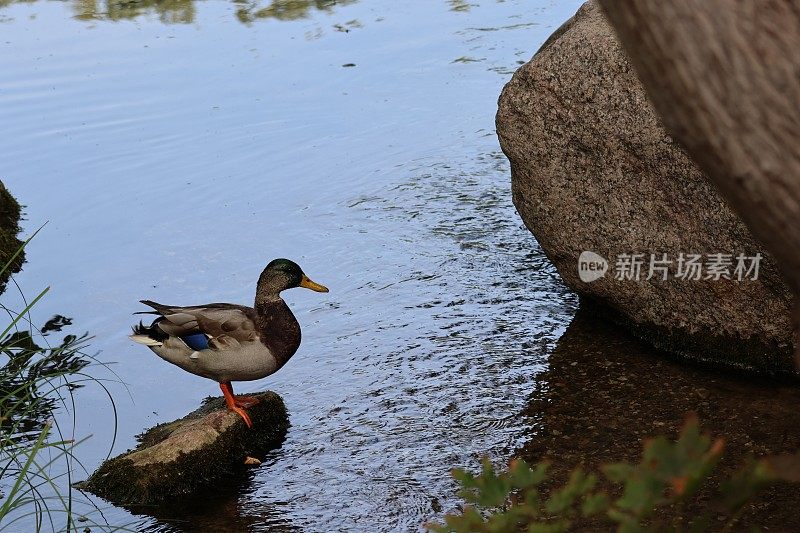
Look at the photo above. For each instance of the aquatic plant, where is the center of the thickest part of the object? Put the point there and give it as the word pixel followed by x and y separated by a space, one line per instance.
pixel 651 495
pixel 36 458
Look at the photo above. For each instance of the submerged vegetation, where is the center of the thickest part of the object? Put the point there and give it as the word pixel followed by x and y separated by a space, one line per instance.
pixel 660 493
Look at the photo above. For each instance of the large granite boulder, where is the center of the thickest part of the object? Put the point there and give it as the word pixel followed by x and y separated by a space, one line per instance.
pixel 594 171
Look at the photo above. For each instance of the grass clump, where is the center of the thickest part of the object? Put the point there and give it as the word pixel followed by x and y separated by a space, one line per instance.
pixel 37 458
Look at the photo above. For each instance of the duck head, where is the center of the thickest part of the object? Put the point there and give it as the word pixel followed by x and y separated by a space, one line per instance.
pixel 282 274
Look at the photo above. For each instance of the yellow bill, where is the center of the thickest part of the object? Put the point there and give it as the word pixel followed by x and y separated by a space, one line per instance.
pixel 308 284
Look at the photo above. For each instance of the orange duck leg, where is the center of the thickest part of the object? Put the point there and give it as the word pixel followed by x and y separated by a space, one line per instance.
pixel 237 405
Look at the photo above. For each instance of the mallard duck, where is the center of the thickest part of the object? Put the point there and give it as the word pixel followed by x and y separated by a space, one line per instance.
pixel 229 342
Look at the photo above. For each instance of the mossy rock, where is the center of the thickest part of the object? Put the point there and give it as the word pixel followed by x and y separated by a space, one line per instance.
pixel 10 213
pixel 180 458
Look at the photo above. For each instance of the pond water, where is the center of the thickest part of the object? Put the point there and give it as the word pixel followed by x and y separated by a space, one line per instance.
pixel 176 147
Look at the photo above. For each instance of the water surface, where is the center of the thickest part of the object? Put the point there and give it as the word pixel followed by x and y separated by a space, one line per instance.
pixel 605 394
pixel 175 148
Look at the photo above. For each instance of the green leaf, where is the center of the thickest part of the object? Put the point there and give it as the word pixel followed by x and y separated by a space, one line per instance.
pixel 564 499
pixel 466 479
pixel 594 504
pixel 469 521
pixel 618 472
pixel 641 494
pixel 522 476
pixel 622 518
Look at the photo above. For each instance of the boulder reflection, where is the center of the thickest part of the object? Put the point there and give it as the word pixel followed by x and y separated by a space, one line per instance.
pixel 605 393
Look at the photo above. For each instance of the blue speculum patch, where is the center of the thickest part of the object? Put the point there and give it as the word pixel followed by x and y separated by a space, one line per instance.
pixel 198 341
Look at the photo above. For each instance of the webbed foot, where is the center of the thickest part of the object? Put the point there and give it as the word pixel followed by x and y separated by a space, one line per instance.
pixel 245 401
pixel 237 405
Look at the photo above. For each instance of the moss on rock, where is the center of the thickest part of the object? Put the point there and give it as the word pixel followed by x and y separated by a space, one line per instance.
pixel 179 458
pixel 10 213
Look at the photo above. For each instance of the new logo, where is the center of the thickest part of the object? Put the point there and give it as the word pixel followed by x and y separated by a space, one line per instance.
pixel 591 266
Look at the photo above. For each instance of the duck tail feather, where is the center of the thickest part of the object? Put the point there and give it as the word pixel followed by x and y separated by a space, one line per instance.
pixel 149 335
pixel 144 339
pixel 159 308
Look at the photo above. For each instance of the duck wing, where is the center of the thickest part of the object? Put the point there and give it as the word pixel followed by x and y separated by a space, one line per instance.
pixel 219 326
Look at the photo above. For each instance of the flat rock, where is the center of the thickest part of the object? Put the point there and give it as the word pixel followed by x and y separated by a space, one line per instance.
pixel 177 459
pixel 594 170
